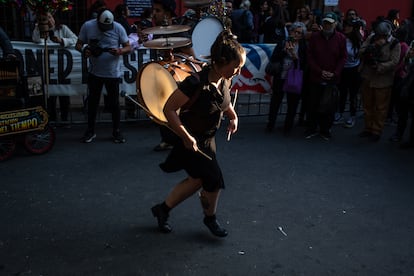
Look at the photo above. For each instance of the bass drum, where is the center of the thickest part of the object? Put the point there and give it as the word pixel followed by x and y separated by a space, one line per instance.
pixel 156 82
pixel 204 35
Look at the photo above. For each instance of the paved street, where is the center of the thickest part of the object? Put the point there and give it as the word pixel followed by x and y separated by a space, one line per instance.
pixel 291 206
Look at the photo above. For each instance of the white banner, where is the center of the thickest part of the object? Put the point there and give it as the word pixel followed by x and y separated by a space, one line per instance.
pixel 68 71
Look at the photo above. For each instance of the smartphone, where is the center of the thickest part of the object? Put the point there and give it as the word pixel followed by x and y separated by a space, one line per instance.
pixel 291 39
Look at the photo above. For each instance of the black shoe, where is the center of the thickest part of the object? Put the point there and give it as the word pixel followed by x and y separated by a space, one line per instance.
pixel 215 228
pixel 162 217
pixel 89 136
pixel 269 127
pixel 365 134
pixel 395 138
pixel 327 136
pixel 375 137
pixel 309 133
pixel 407 145
pixel 118 138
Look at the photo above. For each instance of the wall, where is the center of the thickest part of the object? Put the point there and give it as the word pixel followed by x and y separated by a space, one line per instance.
pixel 370 9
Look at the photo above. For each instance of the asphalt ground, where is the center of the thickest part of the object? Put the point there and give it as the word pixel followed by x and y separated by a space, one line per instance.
pixel 292 207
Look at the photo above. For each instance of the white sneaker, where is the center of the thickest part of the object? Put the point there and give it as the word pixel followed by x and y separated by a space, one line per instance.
pixel 350 122
pixel 339 119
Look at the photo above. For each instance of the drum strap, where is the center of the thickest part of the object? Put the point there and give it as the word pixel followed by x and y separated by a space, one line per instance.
pixel 201 82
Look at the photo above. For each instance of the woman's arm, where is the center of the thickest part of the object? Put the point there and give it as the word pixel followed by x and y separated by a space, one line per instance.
pixel 36 34
pixel 233 119
pixel 173 104
pixel 68 38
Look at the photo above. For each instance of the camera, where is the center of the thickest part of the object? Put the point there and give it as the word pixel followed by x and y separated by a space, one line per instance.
pixel 93 47
pixel 372 54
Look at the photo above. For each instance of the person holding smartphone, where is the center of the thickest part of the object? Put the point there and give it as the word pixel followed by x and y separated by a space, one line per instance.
pixel 103 41
pixel 291 52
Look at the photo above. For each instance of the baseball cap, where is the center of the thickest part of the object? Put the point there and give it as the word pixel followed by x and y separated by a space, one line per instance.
pixel 330 17
pixel 105 20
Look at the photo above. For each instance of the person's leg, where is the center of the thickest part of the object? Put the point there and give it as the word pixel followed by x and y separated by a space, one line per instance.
pixel 410 142
pixel 393 99
pixel 64 103
pixel 95 85
pixel 382 100
pixel 178 194
pixel 51 108
pixel 112 88
pixel 402 111
pixel 354 86
pixel 304 106
pixel 343 87
pixel 411 135
pixel 314 103
pixel 275 101
pixel 182 191
pixel 368 103
pixel 209 202
pixel 292 106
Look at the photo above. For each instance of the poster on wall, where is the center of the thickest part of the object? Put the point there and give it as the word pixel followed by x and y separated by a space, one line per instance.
pixel 137 7
pixel 331 3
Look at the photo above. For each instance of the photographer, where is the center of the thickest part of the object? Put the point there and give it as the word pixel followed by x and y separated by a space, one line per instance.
pixel 100 40
pixel 380 54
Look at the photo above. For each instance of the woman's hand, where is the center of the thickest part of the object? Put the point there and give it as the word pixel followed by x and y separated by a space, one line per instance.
pixel 233 125
pixel 56 40
pixel 290 49
pixel 190 143
pixel 115 51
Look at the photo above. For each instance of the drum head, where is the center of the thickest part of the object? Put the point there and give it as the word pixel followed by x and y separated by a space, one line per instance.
pixel 154 86
pixel 204 35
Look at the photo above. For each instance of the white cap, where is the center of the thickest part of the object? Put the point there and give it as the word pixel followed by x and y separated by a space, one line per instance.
pixel 106 20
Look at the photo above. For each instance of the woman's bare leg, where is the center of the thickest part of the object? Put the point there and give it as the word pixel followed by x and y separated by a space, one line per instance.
pixel 182 191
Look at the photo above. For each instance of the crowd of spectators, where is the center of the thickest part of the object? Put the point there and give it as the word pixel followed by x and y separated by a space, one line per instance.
pixel 347 59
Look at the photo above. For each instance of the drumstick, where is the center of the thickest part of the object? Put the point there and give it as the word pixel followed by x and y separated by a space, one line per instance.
pixel 234 104
pixel 123 94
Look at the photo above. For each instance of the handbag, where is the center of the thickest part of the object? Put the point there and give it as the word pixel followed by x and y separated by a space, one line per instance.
pixel 294 80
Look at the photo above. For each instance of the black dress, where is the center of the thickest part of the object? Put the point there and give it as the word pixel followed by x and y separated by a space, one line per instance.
pixel 201 117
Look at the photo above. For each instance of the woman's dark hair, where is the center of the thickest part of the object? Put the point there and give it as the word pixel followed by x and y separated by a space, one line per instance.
pixel 96 7
pixel 226 49
pixel 349 11
pixel 355 36
pixel 146 13
pixel 120 10
pixel 401 34
pixel 392 14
